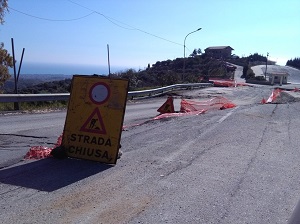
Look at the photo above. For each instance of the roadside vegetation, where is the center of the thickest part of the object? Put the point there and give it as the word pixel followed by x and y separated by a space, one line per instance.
pixel 6 60
pixel 198 68
pixel 35 106
pixel 163 73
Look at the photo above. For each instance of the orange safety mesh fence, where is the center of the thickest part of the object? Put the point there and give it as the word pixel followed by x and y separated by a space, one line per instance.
pixel 40 152
pixel 226 83
pixel 281 96
pixel 275 94
pixel 189 107
pixel 223 83
pixel 214 103
pixel 167 115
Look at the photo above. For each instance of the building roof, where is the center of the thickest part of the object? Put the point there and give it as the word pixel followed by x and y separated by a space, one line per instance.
pixel 218 48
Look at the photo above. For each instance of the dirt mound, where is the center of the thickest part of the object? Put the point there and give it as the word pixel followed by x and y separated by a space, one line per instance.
pixel 285 97
pixel 281 96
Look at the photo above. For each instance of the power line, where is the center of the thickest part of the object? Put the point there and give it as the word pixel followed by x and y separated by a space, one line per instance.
pixel 131 27
pixel 106 17
pixel 112 20
pixel 56 20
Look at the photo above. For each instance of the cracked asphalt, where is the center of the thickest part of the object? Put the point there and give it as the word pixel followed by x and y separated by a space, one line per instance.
pixel 244 169
pixel 19 132
pixel 237 165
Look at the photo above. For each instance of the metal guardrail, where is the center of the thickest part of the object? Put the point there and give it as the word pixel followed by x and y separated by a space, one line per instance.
pixel 162 90
pixel 9 98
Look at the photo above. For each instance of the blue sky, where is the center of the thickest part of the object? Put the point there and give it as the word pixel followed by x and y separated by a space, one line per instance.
pixel 139 32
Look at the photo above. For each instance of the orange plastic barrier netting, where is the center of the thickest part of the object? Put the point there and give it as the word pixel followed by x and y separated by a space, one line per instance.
pixel 40 152
pixel 280 96
pixel 226 83
pixel 274 95
pixel 214 103
pixel 189 107
pixel 296 90
pixel 167 115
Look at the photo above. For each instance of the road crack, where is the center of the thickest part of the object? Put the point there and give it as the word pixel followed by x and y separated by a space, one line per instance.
pixel 25 136
pixel 237 188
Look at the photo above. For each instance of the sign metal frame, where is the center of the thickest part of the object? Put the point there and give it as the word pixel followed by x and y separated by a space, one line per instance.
pixel 95 118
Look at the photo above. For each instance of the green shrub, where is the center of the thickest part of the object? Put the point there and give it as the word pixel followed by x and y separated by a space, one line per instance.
pixel 260 78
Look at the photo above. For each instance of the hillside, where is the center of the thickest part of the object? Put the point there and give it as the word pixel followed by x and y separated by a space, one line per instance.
pixel 198 68
pixel 170 72
pixel 30 81
pixel 62 86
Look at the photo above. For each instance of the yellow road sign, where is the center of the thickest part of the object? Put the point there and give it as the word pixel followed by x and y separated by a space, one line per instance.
pixel 95 118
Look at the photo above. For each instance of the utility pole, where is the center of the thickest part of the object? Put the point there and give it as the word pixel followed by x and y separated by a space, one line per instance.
pixel 108 61
pixel 16 76
pixel 16 104
pixel 266 66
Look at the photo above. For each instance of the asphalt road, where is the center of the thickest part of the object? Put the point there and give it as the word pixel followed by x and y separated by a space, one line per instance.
pixel 237 165
pixel 20 131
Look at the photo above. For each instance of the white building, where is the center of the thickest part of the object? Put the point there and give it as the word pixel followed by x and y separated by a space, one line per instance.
pixel 278 78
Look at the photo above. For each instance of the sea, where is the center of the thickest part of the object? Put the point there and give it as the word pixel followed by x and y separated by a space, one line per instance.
pixel 36 73
pixel 67 69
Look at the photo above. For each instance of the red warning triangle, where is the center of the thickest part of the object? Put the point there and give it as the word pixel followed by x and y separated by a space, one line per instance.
pixel 167 107
pixel 94 124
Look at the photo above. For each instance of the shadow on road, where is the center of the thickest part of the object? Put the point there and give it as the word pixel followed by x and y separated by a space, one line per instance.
pixel 50 174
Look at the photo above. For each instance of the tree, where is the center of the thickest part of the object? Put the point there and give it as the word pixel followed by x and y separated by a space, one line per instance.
pixel 5 59
pixel 196 52
pixel 245 70
pixel 3 9
pixel 294 63
pixel 199 51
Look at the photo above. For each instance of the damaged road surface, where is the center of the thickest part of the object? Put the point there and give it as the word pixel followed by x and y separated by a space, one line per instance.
pixel 21 131
pixel 237 165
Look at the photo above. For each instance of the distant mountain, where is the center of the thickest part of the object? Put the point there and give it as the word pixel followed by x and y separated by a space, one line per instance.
pixel 30 80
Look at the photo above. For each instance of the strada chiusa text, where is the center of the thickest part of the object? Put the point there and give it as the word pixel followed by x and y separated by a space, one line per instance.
pixel 90 151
